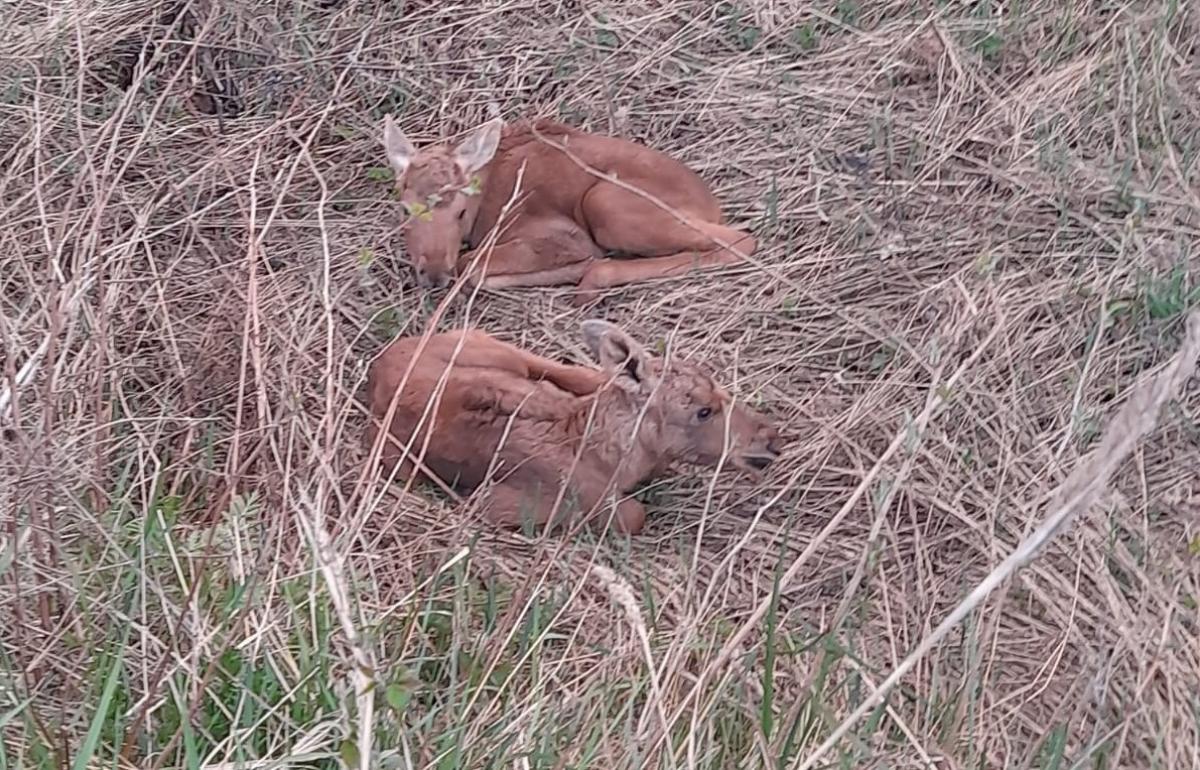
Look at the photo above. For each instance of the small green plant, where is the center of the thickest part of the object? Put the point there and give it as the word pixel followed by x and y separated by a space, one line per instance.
pixel 1067 39
pixel 771 204
pixel 12 93
pixel 986 262
pixel 990 46
pixel 742 34
pixel 847 11
pixel 1053 750
pixel 1169 296
pixel 882 356
pixel 605 37
pixel 419 210
pixel 1087 426
pixel 571 112
pixel 395 103
pixel 1052 152
pixel 1127 201
pixel 387 322
pixel 805 37
pixel 565 68
pixel 366 255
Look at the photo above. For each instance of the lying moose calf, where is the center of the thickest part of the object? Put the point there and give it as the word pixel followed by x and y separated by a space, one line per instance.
pixel 520 419
pixel 566 220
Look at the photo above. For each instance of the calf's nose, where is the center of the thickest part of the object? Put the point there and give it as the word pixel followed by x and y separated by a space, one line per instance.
pixel 770 434
pixel 430 279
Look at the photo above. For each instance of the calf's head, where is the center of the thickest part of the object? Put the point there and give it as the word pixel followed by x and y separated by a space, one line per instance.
pixel 694 419
pixel 435 185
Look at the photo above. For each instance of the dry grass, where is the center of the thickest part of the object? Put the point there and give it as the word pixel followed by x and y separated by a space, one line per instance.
pixel 978 226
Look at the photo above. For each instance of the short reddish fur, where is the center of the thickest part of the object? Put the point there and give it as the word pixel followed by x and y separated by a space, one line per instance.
pixel 567 218
pixel 628 422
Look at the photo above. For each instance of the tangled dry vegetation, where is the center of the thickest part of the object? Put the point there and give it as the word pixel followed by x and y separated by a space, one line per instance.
pixel 978 224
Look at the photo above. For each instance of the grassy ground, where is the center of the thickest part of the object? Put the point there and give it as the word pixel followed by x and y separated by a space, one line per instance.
pixel 978 226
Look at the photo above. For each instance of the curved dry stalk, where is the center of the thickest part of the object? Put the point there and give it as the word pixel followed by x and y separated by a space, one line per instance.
pixel 1137 417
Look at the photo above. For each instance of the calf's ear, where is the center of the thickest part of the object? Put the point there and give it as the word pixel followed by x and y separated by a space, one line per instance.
pixel 478 149
pixel 400 151
pixel 617 352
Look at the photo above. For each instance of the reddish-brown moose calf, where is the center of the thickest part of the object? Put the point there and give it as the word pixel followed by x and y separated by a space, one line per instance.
pixel 567 218
pixel 520 420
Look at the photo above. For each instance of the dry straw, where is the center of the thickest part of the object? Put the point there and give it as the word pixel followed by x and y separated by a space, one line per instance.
pixel 199 261
pixel 1136 418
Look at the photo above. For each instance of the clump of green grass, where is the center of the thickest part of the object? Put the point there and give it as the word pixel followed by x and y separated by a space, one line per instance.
pixel 1169 296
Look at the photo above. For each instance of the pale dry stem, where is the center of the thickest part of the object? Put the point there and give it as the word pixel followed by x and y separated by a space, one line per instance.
pixel 1136 418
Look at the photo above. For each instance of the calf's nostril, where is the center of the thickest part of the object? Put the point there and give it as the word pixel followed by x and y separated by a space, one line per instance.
pixel 759 463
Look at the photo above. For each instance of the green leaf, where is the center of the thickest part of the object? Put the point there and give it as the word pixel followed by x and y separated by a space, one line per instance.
pixel 380 174
pixel 912 437
pixel 349 753
pixel 397 696
pixel 1054 748
pixel 365 256
pixel 990 45
pixel 805 37
pixel 418 210
pixel 747 36
pixel 606 38
pixel 881 358
pixel 847 11
pixel 1194 546
pixel 15 711
pixel 87 750
pixel 1118 308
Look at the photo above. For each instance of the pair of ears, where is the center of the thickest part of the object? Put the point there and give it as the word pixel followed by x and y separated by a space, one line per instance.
pixel 616 351
pixel 612 347
pixel 472 154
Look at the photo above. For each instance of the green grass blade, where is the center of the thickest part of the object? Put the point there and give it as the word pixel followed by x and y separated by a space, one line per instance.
pixel 88 750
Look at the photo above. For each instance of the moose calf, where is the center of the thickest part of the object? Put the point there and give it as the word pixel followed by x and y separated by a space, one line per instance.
pixel 548 434
pixel 566 219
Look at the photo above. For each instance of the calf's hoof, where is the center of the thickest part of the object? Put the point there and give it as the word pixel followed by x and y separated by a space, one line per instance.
pixel 585 297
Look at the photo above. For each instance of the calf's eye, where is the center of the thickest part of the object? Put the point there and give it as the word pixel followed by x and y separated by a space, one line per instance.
pixel 704 413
